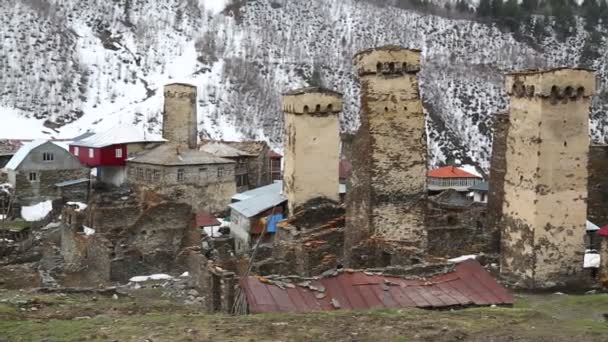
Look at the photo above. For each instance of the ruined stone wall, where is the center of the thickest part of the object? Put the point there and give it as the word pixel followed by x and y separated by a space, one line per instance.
pixel 597 204
pixel 217 286
pixel 545 188
pixel 497 175
pixel 179 115
pixel 453 232
pixel 311 145
pixel 388 189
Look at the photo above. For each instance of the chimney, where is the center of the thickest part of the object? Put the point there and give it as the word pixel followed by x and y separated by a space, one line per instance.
pixel 179 115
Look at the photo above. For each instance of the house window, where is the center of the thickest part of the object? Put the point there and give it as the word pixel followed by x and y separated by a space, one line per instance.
pixel 157 176
pixel 76 151
pixel 140 173
pixel 33 177
pixel 48 157
pixel 220 172
pixel 180 175
pixel 202 174
pixel 119 153
pixel 148 175
pixel 91 153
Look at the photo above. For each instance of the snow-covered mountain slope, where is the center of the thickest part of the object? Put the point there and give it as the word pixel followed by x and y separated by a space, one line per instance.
pixel 70 65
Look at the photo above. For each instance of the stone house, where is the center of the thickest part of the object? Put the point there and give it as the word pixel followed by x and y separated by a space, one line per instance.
pixel 241 158
pixel 200 179
pixel 38 166
pixel 263 165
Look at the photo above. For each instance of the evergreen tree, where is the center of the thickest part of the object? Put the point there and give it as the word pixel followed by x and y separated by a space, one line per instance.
pixel 529 6
pixel 603 13
pixel 512 15
pixel 591 13
pixel 484 9
pixel 496 8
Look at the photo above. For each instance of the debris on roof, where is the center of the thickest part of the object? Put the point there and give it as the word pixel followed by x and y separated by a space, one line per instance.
pixel 119 134
pixel 467 284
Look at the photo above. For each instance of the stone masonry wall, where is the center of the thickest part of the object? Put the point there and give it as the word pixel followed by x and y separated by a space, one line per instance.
pixel 28 192
pixel 497 175
pixel 388 189
pixel 597 204
pixel 545 188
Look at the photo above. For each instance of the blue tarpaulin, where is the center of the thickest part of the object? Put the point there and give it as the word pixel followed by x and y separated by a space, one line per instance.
pixel 271 225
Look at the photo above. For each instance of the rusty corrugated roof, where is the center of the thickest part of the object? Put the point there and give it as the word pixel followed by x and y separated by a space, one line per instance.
pixel 468 284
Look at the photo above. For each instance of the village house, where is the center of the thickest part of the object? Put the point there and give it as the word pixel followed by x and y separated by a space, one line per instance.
pixel 241 158
pixel 108 151
pixel 255 217
pixel 480 192
pixel 451 177
pixel 257 164
pixel 178 169
pixel 39 167
pixel 8 148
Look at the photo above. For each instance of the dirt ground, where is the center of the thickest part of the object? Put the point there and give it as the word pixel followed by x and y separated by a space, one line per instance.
pixel 148 315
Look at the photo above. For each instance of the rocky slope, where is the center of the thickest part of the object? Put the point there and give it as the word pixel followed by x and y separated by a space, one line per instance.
pixel 70 65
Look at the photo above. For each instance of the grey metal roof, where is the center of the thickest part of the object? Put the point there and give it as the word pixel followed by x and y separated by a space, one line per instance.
pixel 72 182
pixel 274 188
pixel 483 186
pixel 255 205
pixel 171 155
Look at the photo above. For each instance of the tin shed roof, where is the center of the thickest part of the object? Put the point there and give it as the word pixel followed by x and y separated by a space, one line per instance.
pixel 255 205
pixel 119 134
pixel 204 219
pixel 468 284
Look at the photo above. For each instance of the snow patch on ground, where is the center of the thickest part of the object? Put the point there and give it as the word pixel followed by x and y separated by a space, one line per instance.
pixel 463 258
pixel 36 212
pixel 81 206
pixel 88 231
pixel 140 279
pixel 214 6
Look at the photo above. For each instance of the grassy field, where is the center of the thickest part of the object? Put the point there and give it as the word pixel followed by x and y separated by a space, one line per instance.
pixel 148 316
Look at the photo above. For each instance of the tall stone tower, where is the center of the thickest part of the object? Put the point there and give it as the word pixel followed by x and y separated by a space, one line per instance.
pixel 387 196
pixel 498 167
pixel 545 187
pixel 179 115
pixel 312 143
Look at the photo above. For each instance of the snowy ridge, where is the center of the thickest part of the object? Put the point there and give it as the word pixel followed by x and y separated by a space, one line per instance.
pixel 79 65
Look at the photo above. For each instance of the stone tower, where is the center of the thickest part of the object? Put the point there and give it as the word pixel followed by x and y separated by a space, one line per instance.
pixel 387 196
pixel 312 142
pixel 498 166
pixel 179 115
pixel 545 186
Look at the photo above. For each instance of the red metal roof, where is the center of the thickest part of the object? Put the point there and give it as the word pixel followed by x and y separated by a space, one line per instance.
pixel 468 284
pixel 345 169
pixel 204 219
pixel 450 172
pixel 603 231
